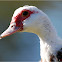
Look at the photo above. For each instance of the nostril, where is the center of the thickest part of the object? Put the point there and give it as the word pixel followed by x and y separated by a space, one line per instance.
pixel 11 26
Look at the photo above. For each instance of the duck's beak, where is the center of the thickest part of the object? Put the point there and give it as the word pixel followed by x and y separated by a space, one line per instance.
pixel 11 29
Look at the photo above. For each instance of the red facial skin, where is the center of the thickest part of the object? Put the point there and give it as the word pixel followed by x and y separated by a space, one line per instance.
pixel 18 20
pixel 60 59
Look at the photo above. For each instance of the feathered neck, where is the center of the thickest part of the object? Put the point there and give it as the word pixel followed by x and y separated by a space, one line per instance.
pixel 46 30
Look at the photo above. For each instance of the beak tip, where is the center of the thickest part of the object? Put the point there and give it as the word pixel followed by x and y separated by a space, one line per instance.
pixel 0 37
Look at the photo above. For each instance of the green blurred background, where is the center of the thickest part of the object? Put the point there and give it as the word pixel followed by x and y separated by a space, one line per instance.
pixel 25 46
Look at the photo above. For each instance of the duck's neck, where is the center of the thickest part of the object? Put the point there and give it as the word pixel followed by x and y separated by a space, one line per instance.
pixel 48 36
pixel 46 31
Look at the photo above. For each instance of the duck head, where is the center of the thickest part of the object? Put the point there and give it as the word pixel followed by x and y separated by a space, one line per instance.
pixel 27 19
pixel 23 19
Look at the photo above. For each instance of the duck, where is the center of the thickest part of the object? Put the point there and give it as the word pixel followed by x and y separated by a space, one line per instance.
pixel 33 20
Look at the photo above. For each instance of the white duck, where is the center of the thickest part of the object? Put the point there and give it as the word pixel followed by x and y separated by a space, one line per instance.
pixel 31 19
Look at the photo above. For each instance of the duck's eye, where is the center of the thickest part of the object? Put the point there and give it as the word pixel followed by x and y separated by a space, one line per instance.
pixel 25 13
pixel 12 26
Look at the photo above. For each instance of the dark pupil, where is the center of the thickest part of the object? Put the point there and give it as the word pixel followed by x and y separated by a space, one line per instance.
pixel 25 13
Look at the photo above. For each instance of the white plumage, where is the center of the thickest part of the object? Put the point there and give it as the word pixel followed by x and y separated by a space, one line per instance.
pixel 39 23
